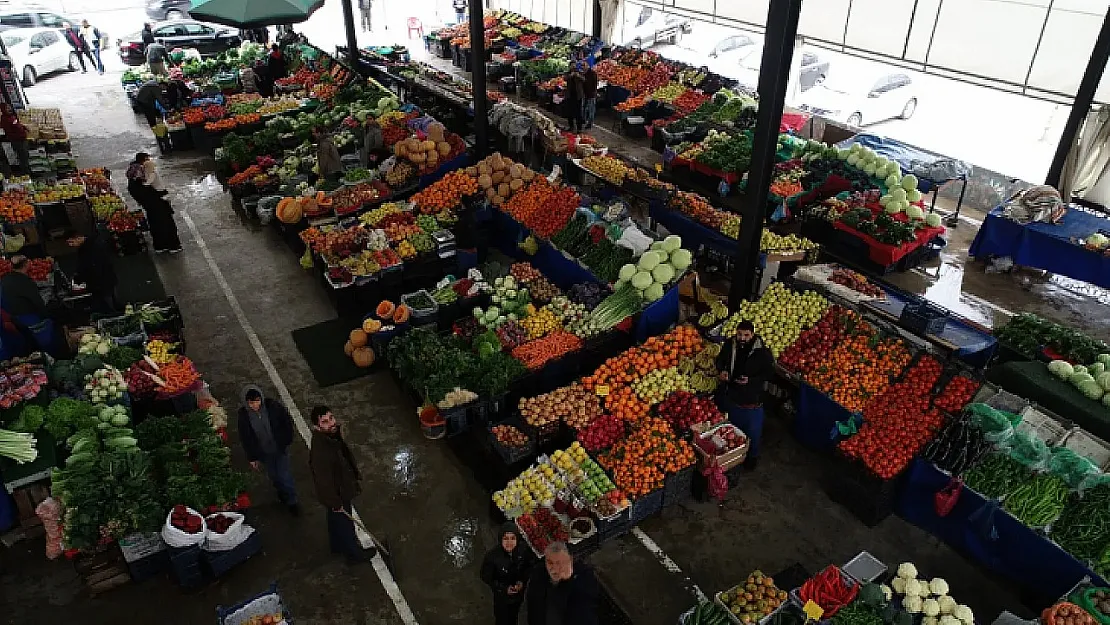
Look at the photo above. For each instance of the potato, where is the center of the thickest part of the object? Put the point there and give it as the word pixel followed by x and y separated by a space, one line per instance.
pixel 498 176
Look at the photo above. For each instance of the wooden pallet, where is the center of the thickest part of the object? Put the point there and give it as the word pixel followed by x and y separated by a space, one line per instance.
pixel 104 570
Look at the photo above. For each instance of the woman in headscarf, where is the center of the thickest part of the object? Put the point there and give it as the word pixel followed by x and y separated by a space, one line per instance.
pixel 505 570
pixel 159 213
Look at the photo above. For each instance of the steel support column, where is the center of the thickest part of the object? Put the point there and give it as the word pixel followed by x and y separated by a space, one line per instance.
pixel 1084 96
pixel 774 76
pixel 596 29
pixel 352 40
pixel 478 78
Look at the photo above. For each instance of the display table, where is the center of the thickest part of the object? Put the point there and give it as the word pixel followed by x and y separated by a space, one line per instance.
pixel 910 159
pixel 1031 380
pixel 887 255
pixel 1051 247
pixel 694 234
pixel 968 343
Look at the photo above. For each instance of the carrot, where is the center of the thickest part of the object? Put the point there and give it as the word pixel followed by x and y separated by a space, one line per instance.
pixel 537 353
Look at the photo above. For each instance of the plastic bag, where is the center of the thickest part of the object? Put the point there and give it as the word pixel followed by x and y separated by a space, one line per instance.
pixel 717 483
pixel 1070 466
pixel 232 538
pixel 945 499
pixel 997 425
pixel 1028 449
pixel 178 538
pixel 50 512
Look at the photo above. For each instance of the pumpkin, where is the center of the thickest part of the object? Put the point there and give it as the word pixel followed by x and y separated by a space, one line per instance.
pixel 527 175
pixel 497 177
pixel 348 348
pixel 428 146
pixel 435 132
pixel 385 309
pixel 289 211
pixel 401 315
pixel 363 357
pixel 359 337
pixel 484 169
pixel 371 326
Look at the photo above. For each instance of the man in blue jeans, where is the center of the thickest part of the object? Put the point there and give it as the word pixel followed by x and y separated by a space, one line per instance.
pixel 745 365
pixel 266 432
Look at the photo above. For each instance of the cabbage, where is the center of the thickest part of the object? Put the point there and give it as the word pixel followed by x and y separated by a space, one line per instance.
pixel 898 194
pixel 1079 369
pixel 1061 369
pixel 656 246
pixel 852 160
pixel 654 292
pixel 915 212
pixel 913 195
pixel 648 262
pixel 892 181
pixel 884 200
pixel 909 181
pixel 1096 370
pixel 1104 381
pixel 1091 389
pixel 869 169
pixel 932 220
pixel 1098 240
pixel 843 154
pixel 893 168
pixel 663 273
pixel 642 279
pixel 672 243
pixel 1080 378
pixel 892 207
pixel 627 272
pixel 681 259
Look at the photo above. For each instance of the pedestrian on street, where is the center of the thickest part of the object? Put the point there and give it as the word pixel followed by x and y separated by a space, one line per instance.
pixel 336 477
pixel 148 35
pixel 95 270
pixel 91 38
pixel 159 213
pixel 15 133
pixel 505 570
pixel 745 365
pixel 364 9
pixel 157 59
pixel 589 92
pixel 574 97
pixel 562 592
pixel 266 432
pixel 460 10
pixel 73 36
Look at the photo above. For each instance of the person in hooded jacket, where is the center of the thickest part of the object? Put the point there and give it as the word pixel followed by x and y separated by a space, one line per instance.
pixel 266 432
pixel 745 364
pixel 505 570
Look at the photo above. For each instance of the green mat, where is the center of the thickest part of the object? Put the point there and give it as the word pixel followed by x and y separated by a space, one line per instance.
pixel 1032 381
pixel 321 346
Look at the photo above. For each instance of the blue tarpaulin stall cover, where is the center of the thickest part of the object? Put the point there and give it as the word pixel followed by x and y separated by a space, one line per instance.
pixel 1051 247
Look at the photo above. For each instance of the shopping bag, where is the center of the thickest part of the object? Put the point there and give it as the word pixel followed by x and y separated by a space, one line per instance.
pixel 175 537
pixel 232 538
pixel 945 499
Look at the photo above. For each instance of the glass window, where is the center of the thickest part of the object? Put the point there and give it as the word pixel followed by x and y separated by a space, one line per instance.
pixel 169 31
pixel 51 20
pixel 808 58
pixel 18 20
pixel 38 41
pixel 13 40
pixel 50 38
pixel 197 29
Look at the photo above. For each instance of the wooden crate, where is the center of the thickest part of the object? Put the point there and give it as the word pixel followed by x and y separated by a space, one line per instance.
pixel 27 498
pixel 103 570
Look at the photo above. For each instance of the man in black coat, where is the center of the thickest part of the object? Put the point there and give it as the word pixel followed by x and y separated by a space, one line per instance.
pixel 745 365
pixel 95 270
pixel 266 432
pixel 562 592
pixel 19 294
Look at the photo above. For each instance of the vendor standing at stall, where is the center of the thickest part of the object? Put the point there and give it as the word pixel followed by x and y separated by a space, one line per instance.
pixel 95 269
pixel 372 140
pixel 328 163
pixel 745 364
pixel 21 299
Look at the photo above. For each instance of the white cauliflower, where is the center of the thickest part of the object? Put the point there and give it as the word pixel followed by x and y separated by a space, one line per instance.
pixel 907 570
pixel 913 604
pixel 899 585
pixel 886 591
pixel 931 607
pixel 948 619
pixel 930 620
pixel 963 613
pixel 947 604
pixel 938 586
pixel 914 588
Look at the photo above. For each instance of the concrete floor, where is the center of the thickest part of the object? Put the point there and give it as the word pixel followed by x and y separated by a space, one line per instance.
pixel 418 493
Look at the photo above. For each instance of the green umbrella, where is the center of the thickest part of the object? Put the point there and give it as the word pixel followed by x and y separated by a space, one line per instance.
pixel 253 13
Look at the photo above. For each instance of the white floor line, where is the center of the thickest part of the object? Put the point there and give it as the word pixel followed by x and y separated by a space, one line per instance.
pixel 388 583
pixel 667 562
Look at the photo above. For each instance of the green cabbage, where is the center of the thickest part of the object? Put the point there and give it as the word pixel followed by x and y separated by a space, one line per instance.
pixel 892 181
pixel 681 259
pixel 1091 389
pixel 1061 369
pixel 1096 370
pixel 1079 378
pixel 932 220
pixel 909 181
pixel 642 279
pixel 627 272
pixel 915 212
pixel 653 292
pixel 1079 369
pixel 663 273
pixel 672 243
pixel 648 262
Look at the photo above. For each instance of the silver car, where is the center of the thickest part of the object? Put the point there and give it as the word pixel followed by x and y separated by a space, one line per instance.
pixel 857 99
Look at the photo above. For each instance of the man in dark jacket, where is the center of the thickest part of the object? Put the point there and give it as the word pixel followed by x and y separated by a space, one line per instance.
pixel 561 592
pixel 589 93
pixel 505 570
pixel 266 432
pixel 336 476
pixel 745 365
pixel 95 270
pixel 19 294
pixel 148 35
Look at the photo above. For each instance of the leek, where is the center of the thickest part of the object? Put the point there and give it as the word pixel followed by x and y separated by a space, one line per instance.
pixel 19 446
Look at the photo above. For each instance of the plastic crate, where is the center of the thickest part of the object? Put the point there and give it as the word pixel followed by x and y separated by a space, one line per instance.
pixel 1008 402
pixel 1044 426
pixel 864 567
pixel 922 319
pixel 185 566
pixel 1089 446
pixel 678 486
pixel 513 455
pixel 613 526
pixel 867 496
pixel 219 562
pixel 457 419
pixel 148 566
pixel 645 506
pixel 267 602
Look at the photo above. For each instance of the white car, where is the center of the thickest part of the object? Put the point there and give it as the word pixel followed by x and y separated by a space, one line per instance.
pixel 734 54
pixel 36 52
pixel 857 99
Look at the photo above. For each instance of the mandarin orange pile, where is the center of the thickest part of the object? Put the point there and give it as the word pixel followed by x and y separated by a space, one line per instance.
pixel 640 462
pixel 860 367
pixel 446 193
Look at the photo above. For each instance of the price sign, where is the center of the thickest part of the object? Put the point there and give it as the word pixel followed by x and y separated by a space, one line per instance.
pixel 602 390
pixel 658 168
pixel 813 611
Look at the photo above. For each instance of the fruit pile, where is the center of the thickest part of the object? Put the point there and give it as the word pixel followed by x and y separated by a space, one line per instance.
pixel 721 440
pixel 574 404
pixel 959 390
pixel 610 169
pixel 16 211
pixel 104 205
pixel 640 462
pixel 657 384
pixel 140 384
pixel 218 523
pixel 446 193
pixel 683 409
pixel 509 436
pixel 542 207
pixel 776 243
pixel 542 528
pixel 540 324
pixel 536 485
pixel 186 520
pixel 535 354
pixel 855 281
pixel 859 368
pixel 602 432
pixel 754 599
pixel 813 346
pixel 779 316
pixel 39 269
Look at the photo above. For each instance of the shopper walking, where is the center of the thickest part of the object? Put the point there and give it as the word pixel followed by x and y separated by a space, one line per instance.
pixel 574 97
pixel 148 35
pixel 266 432
pixel 337 479
pixel 329 166
pixel 159 213
pixel 276 64
pixel 364 8
pixel 73 36
pixel 589 93
pixel 147 98
pixel 562 592
pixel 460 10
pixel 15 133
pixel 505 570
pixel 157 59
pixel 745 365
pixel 91 38
pixel 95 270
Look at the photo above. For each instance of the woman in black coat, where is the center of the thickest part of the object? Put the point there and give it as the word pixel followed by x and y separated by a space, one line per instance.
pixel 505 570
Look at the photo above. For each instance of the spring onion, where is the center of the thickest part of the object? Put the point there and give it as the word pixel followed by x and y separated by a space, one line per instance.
pixel 19 446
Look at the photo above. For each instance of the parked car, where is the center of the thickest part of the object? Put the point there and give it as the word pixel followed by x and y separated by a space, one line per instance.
pixel 206 39
pixel 655 27
pixel 36 52
pixel 32 18
pixel 163 10
pixel 858 99
pixel 814 71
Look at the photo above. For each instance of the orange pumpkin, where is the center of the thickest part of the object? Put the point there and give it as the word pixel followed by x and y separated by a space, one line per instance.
pixel 359 338
pixel 289 211
pixel 363 357
pixel 371 326
pixel 401 315
pixel 385 309
pixel 348 348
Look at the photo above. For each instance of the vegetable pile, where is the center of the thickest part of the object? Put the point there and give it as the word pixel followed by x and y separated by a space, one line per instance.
pixel 830 589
